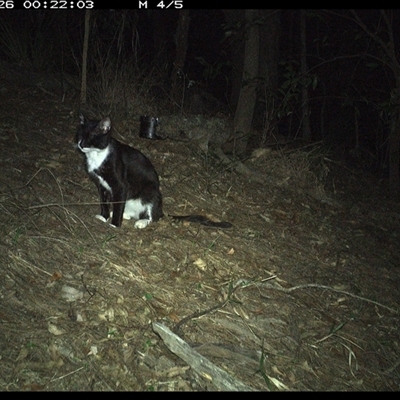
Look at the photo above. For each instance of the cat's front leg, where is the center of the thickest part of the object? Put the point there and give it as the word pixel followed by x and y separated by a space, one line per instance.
pixel 117 214
pixel 119 200
pixel 104 205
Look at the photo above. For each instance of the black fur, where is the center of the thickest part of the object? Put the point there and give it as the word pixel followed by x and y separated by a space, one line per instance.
pixel 125 178
pixel 124 174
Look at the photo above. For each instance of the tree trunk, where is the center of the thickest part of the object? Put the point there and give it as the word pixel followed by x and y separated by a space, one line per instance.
pixel 181 41
pixel 84 57
pixel 247 97
pixel 270 32
pixel 234 31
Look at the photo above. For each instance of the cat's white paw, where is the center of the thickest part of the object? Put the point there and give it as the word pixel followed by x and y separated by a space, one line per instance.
pixel 141 223
pixel 101 218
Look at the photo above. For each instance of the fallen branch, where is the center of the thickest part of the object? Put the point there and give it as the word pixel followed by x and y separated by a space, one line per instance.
pixel 218 377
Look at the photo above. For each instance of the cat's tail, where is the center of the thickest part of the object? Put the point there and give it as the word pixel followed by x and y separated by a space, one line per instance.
pixel 201 219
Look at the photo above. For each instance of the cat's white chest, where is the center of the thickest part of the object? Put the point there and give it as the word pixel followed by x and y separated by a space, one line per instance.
pixel 95 158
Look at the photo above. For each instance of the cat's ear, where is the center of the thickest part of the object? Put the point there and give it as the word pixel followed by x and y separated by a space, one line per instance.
pixel 105 125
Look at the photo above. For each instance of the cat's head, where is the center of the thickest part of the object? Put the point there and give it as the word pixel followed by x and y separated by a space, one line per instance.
pixel 93 135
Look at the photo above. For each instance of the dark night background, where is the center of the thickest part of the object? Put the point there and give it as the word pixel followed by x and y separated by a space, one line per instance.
pixel 351 72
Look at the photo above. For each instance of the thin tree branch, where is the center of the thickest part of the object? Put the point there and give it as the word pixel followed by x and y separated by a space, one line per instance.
pixel 387 48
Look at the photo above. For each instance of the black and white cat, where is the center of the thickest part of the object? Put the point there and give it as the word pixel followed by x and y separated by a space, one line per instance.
pixel 124 177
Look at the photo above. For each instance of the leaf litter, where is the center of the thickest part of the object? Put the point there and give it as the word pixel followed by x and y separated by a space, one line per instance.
pixel 301 294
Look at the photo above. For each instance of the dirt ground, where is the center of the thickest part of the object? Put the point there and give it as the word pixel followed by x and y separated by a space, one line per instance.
pixel 300 294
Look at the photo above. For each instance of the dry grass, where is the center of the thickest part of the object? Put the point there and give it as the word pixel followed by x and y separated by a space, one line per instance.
pixel 301 294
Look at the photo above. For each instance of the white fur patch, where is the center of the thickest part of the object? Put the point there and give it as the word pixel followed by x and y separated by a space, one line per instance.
pixel 101 218
pixel 95 157
pixel 142 223
pixel 133 209
pixel 104 183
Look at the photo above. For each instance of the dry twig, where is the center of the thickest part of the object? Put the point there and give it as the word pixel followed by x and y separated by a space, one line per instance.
pixel 315 285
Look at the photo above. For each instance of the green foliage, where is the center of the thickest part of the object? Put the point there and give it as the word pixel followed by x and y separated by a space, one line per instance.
pixel 108 237
pixel 148 296
pixel 290 89
pixel 17 234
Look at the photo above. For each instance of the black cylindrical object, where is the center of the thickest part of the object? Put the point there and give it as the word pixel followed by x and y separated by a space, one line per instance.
pixel 148 127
